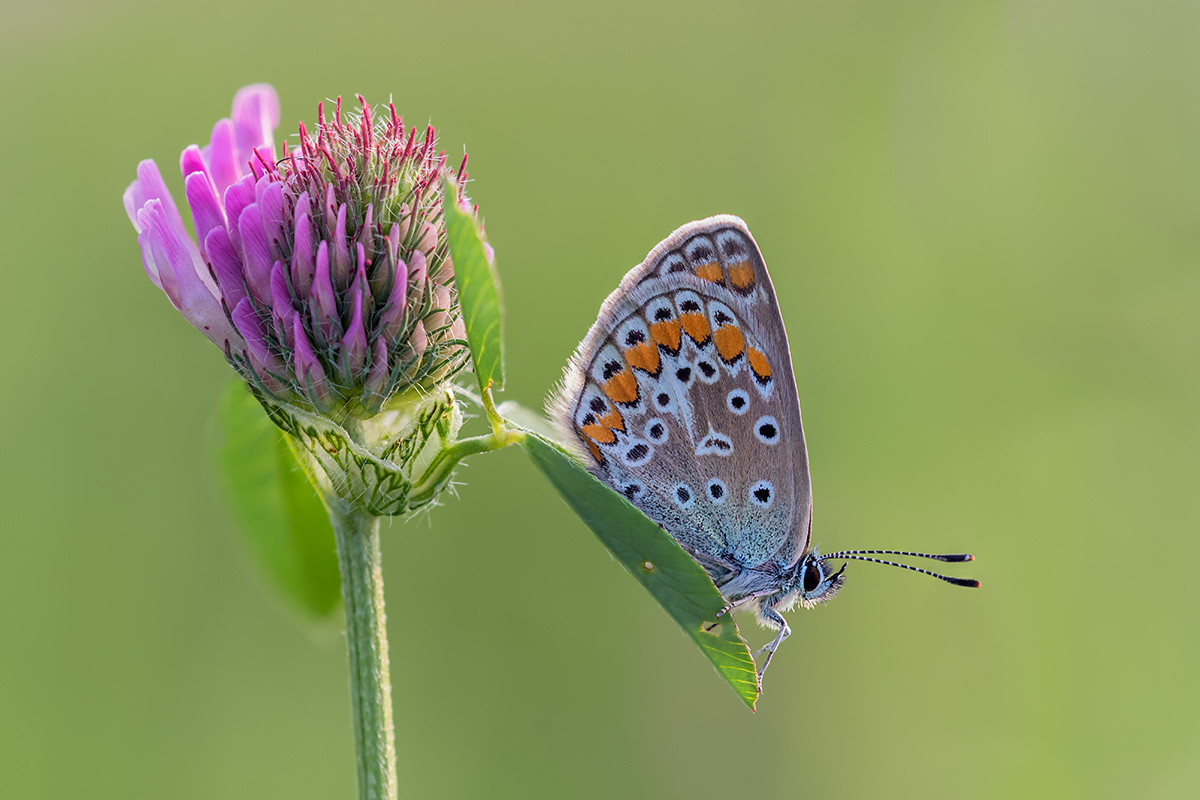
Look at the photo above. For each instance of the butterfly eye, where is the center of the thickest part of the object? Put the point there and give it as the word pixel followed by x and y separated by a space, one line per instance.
pixel 813 575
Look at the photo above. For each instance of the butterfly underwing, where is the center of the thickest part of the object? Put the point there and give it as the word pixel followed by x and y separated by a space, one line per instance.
pixel 682 398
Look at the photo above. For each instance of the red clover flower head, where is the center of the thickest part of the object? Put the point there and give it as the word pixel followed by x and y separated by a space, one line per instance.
pixel 322 273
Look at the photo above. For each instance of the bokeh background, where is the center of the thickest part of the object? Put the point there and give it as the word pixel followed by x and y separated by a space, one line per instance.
pixel 983 224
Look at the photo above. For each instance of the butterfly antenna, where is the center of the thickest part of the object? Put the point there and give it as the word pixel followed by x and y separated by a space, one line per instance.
pixel 863 555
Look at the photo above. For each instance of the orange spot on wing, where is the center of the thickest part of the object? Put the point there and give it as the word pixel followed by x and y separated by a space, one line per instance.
pixel 730 342
pixel 710 271
pixel 741 276
pixel 696 327
pixel 595 451
pixel 613 421
pixel 759 365
pixel 667 334
pixel 598 433
pixel 644 356
pixel 622 387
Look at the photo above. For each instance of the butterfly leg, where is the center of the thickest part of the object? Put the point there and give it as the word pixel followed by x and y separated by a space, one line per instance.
pixel 774 618
pixel 733 604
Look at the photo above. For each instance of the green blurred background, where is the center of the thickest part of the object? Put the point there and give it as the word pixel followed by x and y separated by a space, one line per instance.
pixel 984 228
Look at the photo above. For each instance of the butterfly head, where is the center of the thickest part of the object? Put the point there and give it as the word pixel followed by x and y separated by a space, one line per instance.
pixel 816 580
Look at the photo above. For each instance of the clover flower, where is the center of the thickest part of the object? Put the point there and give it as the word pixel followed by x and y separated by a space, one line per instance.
pixel 323 275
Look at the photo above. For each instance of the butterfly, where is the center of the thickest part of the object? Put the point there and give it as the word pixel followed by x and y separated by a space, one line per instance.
pixel 682 398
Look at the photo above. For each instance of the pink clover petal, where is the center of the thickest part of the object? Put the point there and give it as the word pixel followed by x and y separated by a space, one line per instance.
pixel 392 318
pixel 281 303
pixel 207 213
pixel 221 155
pixel 366 236
pixel 309 373
pixel 489 253
pixel 250 326
pixel 322 300
pixel 226 265
pixel 255 117
pixel 256 254
pixel 189 288
pixel 149 186
pixel 354 343
pixel 303 254
pixel 340 268
pixel 458 329
pixel 441 301
pixel 417 271
pixel 238 196
pixel 270 204
pixel 192 160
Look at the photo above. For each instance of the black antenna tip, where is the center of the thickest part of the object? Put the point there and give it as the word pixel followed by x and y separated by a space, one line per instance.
pixel 968 582
pixel 955 558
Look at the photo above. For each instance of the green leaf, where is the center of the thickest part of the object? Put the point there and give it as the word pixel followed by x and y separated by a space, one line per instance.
pixel 478 293
pixel 278 513
pixel 678 583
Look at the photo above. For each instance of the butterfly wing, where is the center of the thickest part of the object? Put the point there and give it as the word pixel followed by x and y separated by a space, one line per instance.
pixel 682 397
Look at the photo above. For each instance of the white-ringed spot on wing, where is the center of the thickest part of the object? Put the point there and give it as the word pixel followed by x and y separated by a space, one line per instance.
pixel 683 496
pixel 738 401
pixel 767 430
pixel 762 494
pixel 702 254
pixel 633 491
pixel 656 430
pixel 717 491
pixel 662 400
pixel 685 374
pixel 636 452
pixel 715 444
pixel 707 371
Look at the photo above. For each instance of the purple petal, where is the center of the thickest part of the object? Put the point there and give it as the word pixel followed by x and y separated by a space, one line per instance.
pixel 309 372
pixel 322 301
pixel 441 301
pixel 256 254
pixel 360 286
pixel 182 276
pixel 255 116
pixel 330 209
pixel 303 254
pixel 227 266
pixel 340 268
pixel 392 318
pixel 270 205
pixel 191 160
pixel 378 376
pixel 149 186
pixel 237 197
pixel 221 155
pixel 354 343
pixel 417 271
pixel 205 205
pixel 281 303
pixel 366 236
pixel 252 329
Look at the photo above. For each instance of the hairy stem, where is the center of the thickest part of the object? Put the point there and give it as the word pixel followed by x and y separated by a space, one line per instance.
pixel 360 560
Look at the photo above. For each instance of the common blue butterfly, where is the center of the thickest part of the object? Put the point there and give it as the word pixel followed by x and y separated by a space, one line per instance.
pixel 682 398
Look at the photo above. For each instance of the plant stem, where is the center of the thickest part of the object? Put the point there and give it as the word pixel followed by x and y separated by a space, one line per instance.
pixel 360 560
